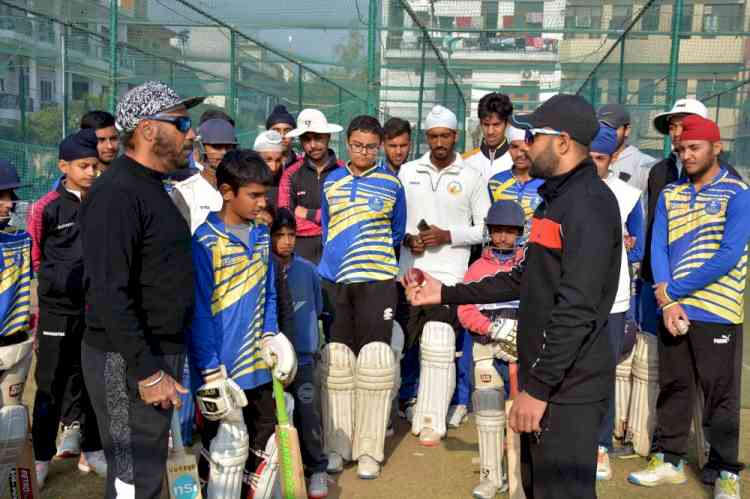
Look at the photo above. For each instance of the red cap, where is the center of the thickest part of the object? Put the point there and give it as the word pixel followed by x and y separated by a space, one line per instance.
pixel 695 127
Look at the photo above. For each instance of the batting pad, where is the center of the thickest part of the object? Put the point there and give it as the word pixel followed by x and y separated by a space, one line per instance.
pixel 642 417
pixel 623 389
pixel 337 398
pixel 376 370
pixel 437 377
pixel 397 345
pixel 228 453
pixel 490 417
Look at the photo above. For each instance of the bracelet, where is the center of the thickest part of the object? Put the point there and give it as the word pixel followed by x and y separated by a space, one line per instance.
pixel 155 382
pixel 669 305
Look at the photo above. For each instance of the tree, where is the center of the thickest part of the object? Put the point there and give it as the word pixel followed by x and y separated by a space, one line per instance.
pixel 45 126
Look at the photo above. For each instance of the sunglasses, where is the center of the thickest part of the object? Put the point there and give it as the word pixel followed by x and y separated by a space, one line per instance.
pixel 529 136
pixel 182 123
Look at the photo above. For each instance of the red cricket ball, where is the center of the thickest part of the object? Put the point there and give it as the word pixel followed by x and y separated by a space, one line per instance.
pixel 414 276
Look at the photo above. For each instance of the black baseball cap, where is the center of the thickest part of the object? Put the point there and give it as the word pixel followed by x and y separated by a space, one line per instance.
pixel 613 115
pixel 567 113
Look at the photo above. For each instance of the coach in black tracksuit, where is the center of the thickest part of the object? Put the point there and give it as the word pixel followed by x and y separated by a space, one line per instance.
pixel 566 287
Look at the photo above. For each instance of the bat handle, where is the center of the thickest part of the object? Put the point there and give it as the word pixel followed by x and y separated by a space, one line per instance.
pixel 278 394
pixel 177 446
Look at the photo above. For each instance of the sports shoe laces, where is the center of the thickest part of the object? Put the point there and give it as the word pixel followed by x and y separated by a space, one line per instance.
pixel 654 463
pixel 729 486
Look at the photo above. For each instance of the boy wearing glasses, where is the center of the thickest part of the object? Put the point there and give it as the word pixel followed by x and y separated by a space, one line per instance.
pixel 363 215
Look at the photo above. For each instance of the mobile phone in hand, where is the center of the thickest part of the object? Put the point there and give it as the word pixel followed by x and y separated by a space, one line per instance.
pixel 423 225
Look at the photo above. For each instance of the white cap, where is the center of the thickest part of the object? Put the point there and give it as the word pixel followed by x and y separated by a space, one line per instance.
pixel 441 117
pixel 270 140
pixel 312 120
pixel 682 106
pixel 512 133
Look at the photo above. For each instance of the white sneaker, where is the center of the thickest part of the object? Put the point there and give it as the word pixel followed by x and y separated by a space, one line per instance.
pixel 603 469
pixel 335 463
pixel 429 437
pixel 93 461
pixel 70 442
pixel 457 415
pixel 485 490
pixel 42 469
pixel 318 488
pixel 658 472
pixel 727 486
pixel 367 468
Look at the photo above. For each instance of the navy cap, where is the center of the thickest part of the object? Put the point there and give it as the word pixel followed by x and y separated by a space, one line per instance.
pixel 505 212
pixel 280 115
pixel 216 131
pixel 9 178
pixel 613 115
pixel 283 218
pixel 567 113
pixel 81 144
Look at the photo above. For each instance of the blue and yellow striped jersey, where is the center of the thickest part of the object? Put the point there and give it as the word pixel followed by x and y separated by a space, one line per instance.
pixel 363 219
pixel 15 281
pixel 699 247
pixel 235 302
pixel 505 186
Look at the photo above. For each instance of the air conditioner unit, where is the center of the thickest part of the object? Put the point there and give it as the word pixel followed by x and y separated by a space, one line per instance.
pixel 583 21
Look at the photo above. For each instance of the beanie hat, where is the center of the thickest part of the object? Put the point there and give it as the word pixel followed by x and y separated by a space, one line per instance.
pixel 280 115
pixel 81 144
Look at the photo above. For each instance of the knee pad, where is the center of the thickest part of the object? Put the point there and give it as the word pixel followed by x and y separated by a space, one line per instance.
pixel 376 369
pixel 645 390
pixel 338 365
pixel 15 362
pixel 227 454
pixel 437 377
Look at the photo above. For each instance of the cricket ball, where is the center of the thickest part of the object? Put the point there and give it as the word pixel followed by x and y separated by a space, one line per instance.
pixel 414 276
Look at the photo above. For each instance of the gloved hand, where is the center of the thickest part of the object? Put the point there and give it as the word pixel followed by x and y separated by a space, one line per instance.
pixel 278 354
pixel 220 395
pixel 503 333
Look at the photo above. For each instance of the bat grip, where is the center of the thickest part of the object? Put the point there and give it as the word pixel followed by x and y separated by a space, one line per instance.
pixel 278 394
pixel 177 446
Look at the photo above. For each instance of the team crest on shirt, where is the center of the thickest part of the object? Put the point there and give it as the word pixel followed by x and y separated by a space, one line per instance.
pixel 713 207
pixel 375 203
pixel 455 187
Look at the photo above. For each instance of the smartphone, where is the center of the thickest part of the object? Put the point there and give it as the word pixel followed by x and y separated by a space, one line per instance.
pixel 423 226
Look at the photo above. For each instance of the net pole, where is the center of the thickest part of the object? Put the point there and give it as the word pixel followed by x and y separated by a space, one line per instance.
pixel 621 75
pixel 112 55
pixel 64 75
pixel 232 72
pixel 300 100
pixel 421 95
pixel 674 57
pixel 372 31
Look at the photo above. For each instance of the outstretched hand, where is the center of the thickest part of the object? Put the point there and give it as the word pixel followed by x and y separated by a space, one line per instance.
pixel 428 293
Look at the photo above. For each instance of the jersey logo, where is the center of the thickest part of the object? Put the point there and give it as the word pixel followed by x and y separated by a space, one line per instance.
pixel 713 207
pixel 301 193
pixel 547 233
pixel 455 187
pixel 624 176
pixel 65 226
pixel 375 203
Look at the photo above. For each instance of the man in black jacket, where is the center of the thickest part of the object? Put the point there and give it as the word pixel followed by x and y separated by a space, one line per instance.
pixel 139 290
pixel 566 288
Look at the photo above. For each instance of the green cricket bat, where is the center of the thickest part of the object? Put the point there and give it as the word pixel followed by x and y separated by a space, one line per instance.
pixel 290 458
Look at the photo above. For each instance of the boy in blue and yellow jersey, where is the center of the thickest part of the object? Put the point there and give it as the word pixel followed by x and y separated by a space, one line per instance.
pixel 517 184
pixel 363 215
pixel 15 323
pixel 699 261
pixel 234 341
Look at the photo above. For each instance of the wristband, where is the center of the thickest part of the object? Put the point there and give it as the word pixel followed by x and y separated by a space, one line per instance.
pixel 669 305
pixel 155 382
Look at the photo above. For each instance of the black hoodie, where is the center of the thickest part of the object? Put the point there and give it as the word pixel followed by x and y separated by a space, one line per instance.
pixel 567 285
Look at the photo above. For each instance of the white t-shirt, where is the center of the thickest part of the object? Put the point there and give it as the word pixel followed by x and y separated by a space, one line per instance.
pixel 627 197
pixel 455 199
pixel 201 198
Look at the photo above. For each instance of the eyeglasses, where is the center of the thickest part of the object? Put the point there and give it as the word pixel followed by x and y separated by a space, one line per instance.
pixel 182 123
pixel 529 137
pixel 362 148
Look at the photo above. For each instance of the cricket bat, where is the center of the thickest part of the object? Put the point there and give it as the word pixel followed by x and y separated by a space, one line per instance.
pixel 22 480
pixel 287 442
pixel 513 439
pixel 182 469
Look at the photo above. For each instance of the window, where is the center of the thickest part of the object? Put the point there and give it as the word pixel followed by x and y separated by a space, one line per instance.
pixel 704 88
pixel 80 89
pixel 646 91
pixel 584 17
pixel 728 17
pixel 650 20
pixel 47 90
pixel 621 15
pixel 687 19
pixel 613 89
